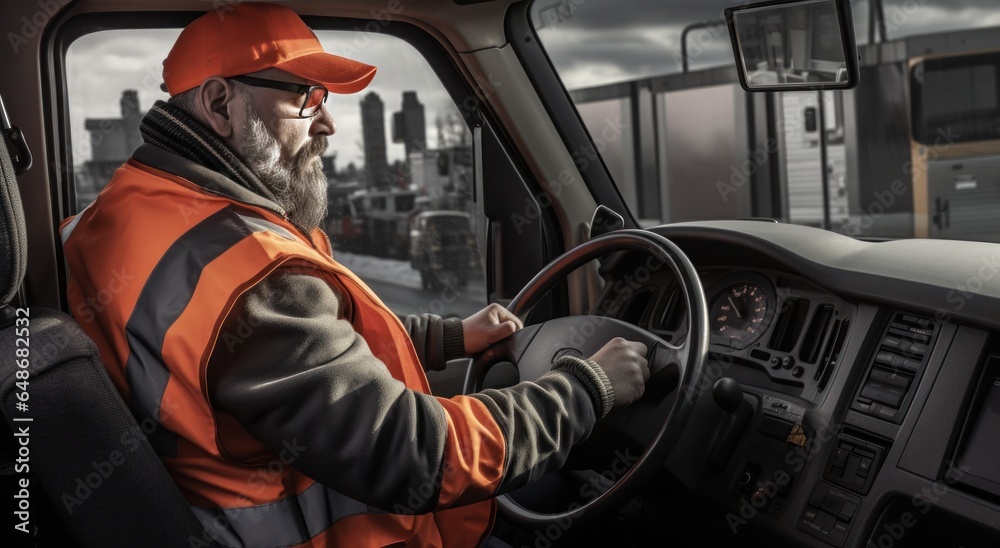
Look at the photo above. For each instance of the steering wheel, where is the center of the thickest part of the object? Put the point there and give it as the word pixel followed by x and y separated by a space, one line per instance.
pixel 655 422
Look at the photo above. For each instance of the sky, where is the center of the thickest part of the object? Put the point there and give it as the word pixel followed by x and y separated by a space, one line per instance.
pixel 588 48
pixel 101 65
pixel 583 40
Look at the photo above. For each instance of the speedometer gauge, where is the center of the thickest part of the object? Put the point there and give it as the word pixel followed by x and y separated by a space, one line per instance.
pixel 741 311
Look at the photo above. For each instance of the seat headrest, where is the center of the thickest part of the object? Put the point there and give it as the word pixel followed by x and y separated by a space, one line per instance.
pixel 13 234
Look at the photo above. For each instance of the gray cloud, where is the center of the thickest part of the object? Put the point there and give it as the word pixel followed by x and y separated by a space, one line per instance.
pixel 101 65
pixel 586 53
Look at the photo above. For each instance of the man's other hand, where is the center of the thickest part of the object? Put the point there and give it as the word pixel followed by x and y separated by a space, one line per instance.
pixel 488 326
pixel 624 363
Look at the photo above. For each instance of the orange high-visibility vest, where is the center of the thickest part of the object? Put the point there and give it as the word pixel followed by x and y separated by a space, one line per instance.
pixel 156 264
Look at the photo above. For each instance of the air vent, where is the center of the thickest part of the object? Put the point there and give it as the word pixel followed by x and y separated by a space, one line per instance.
pixel 816 333
pixel 788 327
pixel 831 356
pixel 673 310
pixel 896 368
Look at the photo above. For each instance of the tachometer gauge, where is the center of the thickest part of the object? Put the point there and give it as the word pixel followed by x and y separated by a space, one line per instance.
pixel 741 311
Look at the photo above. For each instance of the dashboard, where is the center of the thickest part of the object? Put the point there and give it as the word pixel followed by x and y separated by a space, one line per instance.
pixel 770 329
pixel 870 375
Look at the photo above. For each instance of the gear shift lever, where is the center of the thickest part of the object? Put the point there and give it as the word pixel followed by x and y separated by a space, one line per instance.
pixel 729 396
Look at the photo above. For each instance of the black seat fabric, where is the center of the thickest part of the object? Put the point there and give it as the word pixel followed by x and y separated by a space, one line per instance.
pixel 84 446
pixel 13 236
pixel 100 473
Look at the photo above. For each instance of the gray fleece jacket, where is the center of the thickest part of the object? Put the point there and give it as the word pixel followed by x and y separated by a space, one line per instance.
pixel 306 375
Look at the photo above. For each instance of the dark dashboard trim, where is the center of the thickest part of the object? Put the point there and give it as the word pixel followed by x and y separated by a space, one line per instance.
pixel 949 280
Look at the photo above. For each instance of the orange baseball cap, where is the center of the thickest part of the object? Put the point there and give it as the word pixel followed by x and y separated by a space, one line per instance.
pixel 249 37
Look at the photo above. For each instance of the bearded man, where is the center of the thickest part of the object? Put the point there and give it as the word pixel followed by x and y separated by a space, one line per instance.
pixel 286 401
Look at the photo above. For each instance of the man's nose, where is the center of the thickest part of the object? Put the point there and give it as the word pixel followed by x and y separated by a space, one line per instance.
pixel 322 123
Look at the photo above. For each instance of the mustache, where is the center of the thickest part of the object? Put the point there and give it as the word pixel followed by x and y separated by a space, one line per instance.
pixel 316 147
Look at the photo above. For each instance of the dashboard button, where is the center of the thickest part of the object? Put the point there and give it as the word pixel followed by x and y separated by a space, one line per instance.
pixel 864 467
pixel 886 358
pixel 888 397
pixel 817 496
pixel 894 390
pixel 872 390
pixel 879 376
pixel 852 465
pixel 848 510
pixel 897 379
pixel 864 452
pixel 840 456
pixel 824 522
pixel 886 413
pixel 838 534
pixel 922 322
pixel 832 504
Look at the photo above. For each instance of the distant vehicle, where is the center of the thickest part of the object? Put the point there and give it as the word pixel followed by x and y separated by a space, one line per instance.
pixel 376 222
pixel 442 248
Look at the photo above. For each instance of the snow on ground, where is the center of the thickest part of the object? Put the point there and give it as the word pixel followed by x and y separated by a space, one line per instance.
pixel 382 270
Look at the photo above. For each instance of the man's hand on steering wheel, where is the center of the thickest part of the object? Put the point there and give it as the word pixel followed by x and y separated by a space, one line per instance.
pixel 624 363
pixel 487 327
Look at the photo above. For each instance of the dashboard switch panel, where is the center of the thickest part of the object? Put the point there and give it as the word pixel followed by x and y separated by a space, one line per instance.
pixel 828 514
pixel 853 463
pixel 895 368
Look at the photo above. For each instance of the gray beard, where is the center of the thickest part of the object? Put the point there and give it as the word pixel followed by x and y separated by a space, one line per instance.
pixel 299 185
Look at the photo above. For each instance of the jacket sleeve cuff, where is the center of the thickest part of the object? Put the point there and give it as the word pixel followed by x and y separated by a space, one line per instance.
pixel 593 378
pixel 454 339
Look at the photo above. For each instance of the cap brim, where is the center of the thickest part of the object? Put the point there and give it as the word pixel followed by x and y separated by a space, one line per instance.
pixel 337 74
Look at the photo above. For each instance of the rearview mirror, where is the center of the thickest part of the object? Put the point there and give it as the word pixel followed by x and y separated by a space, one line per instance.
pixel 794 45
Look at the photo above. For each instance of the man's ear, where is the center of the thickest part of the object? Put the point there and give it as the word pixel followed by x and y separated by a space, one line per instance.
pixel 214 102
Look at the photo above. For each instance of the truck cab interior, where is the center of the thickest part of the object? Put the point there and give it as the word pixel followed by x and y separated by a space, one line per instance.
pixel 794 204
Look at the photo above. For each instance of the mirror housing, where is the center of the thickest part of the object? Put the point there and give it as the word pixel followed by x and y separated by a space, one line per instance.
pixel 794 45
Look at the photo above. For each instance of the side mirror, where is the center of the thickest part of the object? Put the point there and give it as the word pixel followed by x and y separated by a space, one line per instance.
pixel 605 220
pixel 794 45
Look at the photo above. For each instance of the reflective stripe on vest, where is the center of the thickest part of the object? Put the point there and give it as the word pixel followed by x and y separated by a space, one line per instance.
pixel 163 298
pixel 287 522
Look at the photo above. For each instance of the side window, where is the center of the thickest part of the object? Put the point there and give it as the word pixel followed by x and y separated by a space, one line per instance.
pixel 399 168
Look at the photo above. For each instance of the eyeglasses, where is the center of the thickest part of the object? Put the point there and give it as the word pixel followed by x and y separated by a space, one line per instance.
pixel 314 95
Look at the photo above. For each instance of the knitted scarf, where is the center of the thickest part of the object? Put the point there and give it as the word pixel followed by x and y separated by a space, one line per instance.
pixel 174 130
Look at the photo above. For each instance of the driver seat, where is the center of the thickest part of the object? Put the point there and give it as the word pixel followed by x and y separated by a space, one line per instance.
pixel 79 442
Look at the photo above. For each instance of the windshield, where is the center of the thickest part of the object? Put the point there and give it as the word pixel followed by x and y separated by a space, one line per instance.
pixel 913 151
